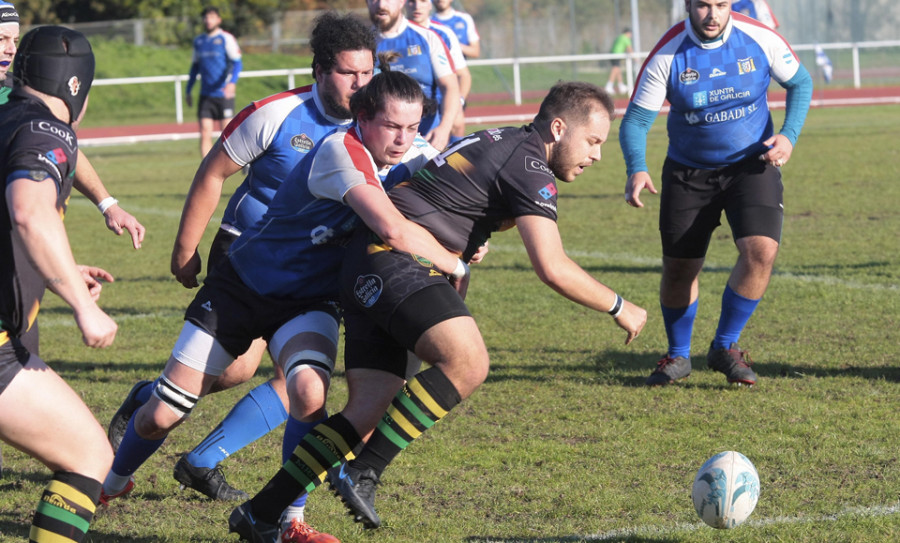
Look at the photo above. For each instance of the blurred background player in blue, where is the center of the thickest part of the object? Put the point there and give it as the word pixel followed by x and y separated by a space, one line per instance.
pixel 724 155
pixel 422 55
pixel 419 12
pixel 757 9
pixel 462 24
pixel 217 60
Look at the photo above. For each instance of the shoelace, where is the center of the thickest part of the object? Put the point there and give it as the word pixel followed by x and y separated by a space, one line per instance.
pixel 743 357
pixel 665 361
pixel 298 527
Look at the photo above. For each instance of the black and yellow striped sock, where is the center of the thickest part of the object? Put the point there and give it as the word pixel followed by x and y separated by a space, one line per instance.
pixel 425 399
pixel 66 509
pixel 325 446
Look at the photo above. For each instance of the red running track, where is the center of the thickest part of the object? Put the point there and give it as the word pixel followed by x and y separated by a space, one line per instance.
pixel 496 115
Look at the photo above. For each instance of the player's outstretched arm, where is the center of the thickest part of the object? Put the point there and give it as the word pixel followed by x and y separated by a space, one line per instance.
pixel 88 182
pixel 37 223
pixel 562 274
pixel 202 200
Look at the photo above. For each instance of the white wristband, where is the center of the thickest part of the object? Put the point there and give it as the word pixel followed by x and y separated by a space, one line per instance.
pixel 617 307
pixel 462 269
pixel 106 203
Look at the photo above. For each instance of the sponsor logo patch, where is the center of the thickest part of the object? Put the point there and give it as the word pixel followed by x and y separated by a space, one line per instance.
pixel 537 165
pixel 368 289
pixel 301 143
pixel 549 191
pixel 717 73
pixel 689 76
pixel 746 65
pixel 700 99
pixel 57 156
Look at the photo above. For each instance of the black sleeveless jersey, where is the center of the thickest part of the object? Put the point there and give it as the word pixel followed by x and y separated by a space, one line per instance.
pixel 33 145
pixel 480 185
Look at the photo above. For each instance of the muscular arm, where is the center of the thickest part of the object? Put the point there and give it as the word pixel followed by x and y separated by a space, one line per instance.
pixel 37 223
pixel 378 212
pixel 88 182
pixel 202 200
pixel 562 274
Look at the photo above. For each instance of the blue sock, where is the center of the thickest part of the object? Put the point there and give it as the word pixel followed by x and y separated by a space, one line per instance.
pixel 143 395
pixel 255 415
pixel 133 451
pixel 736 311
pixel 679 323
pixel 293 434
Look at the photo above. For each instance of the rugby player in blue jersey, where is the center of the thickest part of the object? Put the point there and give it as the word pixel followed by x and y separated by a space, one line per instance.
pixel 714 69
pixel 269 137
pixel 217 60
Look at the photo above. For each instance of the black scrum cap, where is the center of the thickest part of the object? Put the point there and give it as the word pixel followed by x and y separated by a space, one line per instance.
pixel 57 61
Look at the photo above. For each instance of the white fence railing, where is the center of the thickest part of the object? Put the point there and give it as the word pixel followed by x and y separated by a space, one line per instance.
pixel 632 61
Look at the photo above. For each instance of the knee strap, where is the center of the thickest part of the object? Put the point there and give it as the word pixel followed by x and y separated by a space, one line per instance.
pixel 176 398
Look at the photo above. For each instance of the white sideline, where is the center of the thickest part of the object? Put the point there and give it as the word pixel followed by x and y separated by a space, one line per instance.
pixel 712 266
pixel 683 528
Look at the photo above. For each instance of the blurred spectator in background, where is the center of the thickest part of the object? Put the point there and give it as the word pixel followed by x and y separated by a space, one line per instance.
pixel 622 44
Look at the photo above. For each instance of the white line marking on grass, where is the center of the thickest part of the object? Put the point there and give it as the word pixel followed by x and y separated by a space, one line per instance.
pixel 138 210
pixel 68 322
pixel 866 512
pixel 683 528
pixel 712 266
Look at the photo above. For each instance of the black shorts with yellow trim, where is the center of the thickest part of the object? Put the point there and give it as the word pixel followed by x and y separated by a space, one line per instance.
pixel 389 300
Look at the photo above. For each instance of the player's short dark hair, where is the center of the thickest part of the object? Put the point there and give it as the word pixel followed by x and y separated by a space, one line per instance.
pixel 334 33
pixel 210 9
pixel 372 98
pixel 574 100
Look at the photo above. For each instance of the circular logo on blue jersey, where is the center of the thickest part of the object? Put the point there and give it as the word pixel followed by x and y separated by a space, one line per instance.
pixel 301 143
pixel 689 76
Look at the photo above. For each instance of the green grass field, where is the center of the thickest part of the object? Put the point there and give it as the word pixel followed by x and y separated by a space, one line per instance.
pixel 563 443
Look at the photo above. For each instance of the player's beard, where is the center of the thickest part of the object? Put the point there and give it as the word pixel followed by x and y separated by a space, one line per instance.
pixel 335 108
pixel 557 162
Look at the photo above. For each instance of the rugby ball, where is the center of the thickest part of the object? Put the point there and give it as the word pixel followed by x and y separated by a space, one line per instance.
pixel 725 490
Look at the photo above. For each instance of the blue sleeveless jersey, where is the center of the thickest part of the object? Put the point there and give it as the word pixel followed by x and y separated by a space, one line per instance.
pixel 424 57
pixel 272 135
pixel 717 90
pixel 295 251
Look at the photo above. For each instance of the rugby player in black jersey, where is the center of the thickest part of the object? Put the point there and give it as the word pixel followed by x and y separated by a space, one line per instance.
pixel 395 302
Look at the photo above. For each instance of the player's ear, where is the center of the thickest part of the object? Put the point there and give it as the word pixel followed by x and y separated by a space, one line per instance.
pixel 557 129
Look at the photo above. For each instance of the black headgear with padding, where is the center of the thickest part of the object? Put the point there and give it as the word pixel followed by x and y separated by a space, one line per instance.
pixel 57 61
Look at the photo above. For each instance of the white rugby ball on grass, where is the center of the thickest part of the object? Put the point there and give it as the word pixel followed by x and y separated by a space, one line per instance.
pixel 726 490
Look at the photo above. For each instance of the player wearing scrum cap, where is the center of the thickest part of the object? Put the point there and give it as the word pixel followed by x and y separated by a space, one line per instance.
pixel 39 413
